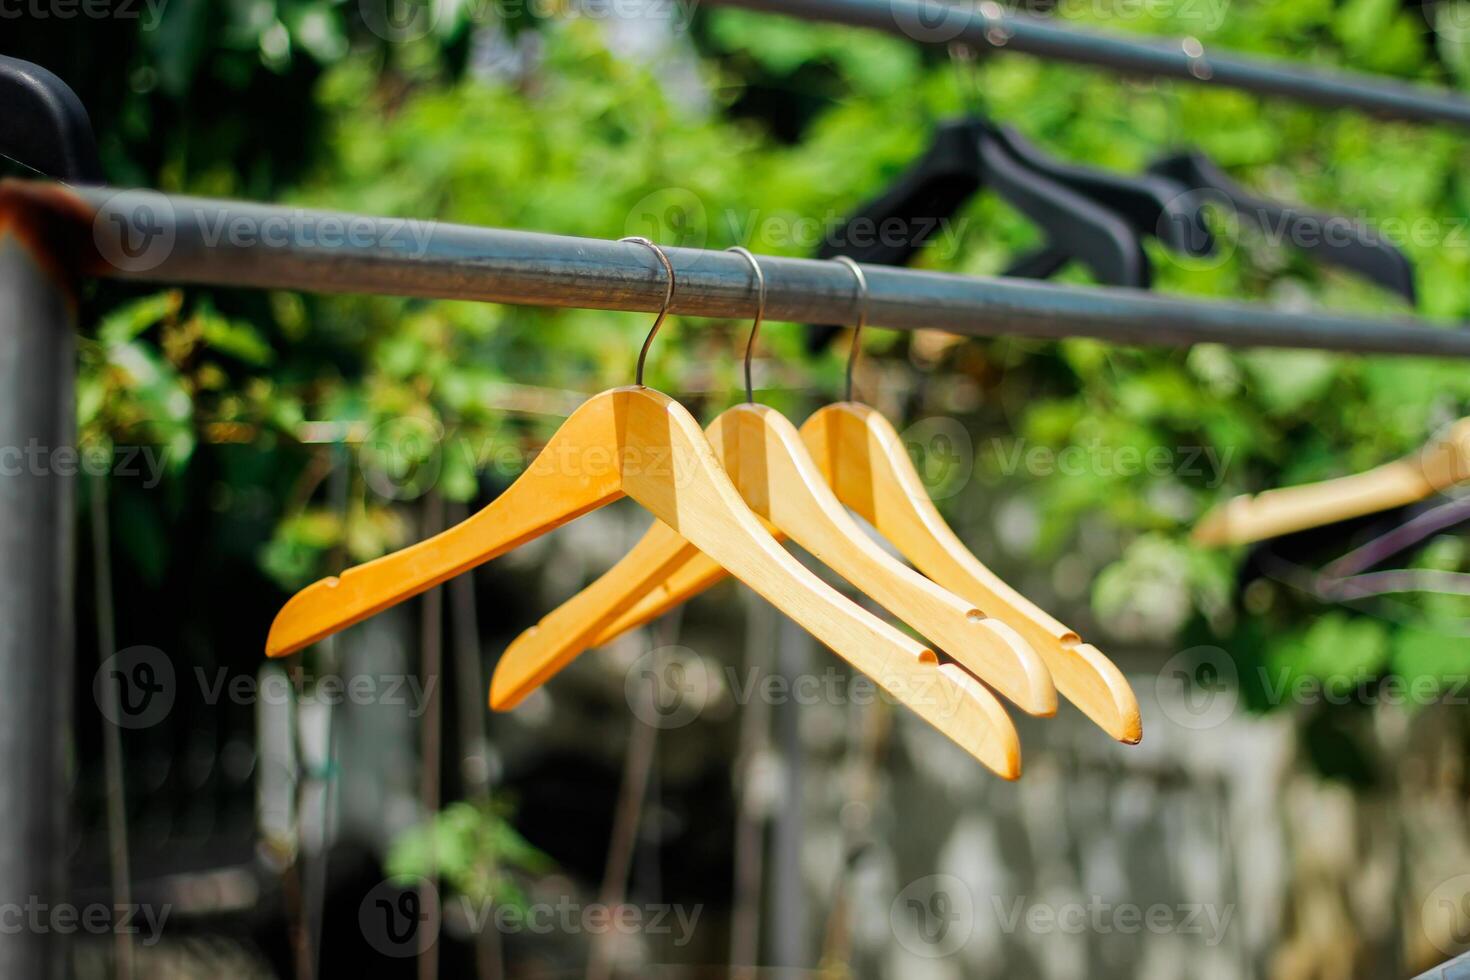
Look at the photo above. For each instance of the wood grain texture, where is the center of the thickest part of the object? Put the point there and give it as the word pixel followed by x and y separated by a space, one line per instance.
pixel 542 498
pixel 670 468
pixel 775 474
pixel 865 461
pixel 641 443
pixel 698 573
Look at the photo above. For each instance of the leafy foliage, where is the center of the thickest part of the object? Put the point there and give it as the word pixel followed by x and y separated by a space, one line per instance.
pixel 788 127
pixel 473 848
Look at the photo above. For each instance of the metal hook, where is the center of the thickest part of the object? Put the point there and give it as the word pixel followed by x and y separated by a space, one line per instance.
pixel 857 331
pixel 963 59
pixel 663 312
pixel 760 313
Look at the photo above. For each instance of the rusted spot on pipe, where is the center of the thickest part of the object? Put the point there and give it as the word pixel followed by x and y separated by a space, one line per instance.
pixel 55 226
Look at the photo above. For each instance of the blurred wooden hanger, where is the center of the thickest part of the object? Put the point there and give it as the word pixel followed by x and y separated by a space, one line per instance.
pixel 1443 462
pixel 773 471
pixel 863 460
pixel 638 442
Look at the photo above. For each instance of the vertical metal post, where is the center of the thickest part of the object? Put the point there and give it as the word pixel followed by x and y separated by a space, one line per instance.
pixel 37 463
pixel 789 942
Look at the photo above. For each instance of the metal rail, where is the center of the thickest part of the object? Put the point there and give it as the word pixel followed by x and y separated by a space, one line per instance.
pixel 37 458
pixel 45 126
pixel 988 26
pixel 149 236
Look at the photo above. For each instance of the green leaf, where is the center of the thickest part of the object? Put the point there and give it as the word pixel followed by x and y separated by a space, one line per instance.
pixel 1339 649
pixel 1430 662
pixel 177 43
pixel 1361 23
pixel 1287 380
pixel 129 321
pixel 318 30
pixel 236 338
pixel 474 847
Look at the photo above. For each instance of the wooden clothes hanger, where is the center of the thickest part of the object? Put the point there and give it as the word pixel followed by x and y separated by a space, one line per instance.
pixel 640 443
pixel 1443 462
pixel 863 459
pixel 773 471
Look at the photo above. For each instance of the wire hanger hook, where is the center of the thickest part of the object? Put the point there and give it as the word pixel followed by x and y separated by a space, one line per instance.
pixel 760 314
pixel 857 331
pixel 663 312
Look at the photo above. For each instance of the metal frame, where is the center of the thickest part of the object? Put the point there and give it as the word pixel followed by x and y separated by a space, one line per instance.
pixel 36 536
pixel 167 239
pixel 45 126
pixel 987 26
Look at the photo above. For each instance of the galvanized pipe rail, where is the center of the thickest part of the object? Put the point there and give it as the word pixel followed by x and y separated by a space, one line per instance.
pixel 149 236
pixel 989 26
pixel 37 534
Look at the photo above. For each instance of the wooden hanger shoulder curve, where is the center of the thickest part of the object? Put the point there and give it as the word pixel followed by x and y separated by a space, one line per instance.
pixel 772 470
pixel 775 474
pixel 943 695
pixel 1081 672
pixel 864 460
pixel 533 505
pixel 638 442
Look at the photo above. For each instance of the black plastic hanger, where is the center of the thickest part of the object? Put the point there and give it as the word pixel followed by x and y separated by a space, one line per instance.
pixel 1356 577
pixel 965 156
pixel 43 124
pixel 1153 204
pixel 1326 238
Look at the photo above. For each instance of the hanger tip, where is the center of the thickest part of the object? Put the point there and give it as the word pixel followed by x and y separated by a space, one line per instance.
pixel 279 644
pixel 1227 523
pixel 1129 729
pixel 1115 712
pixel 1211 531
pixel 1010 767
pixel 301 621
pixel 505 695
pixel 982 728
pixel 1002 754
pixel 283 640
pixel 1033 691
